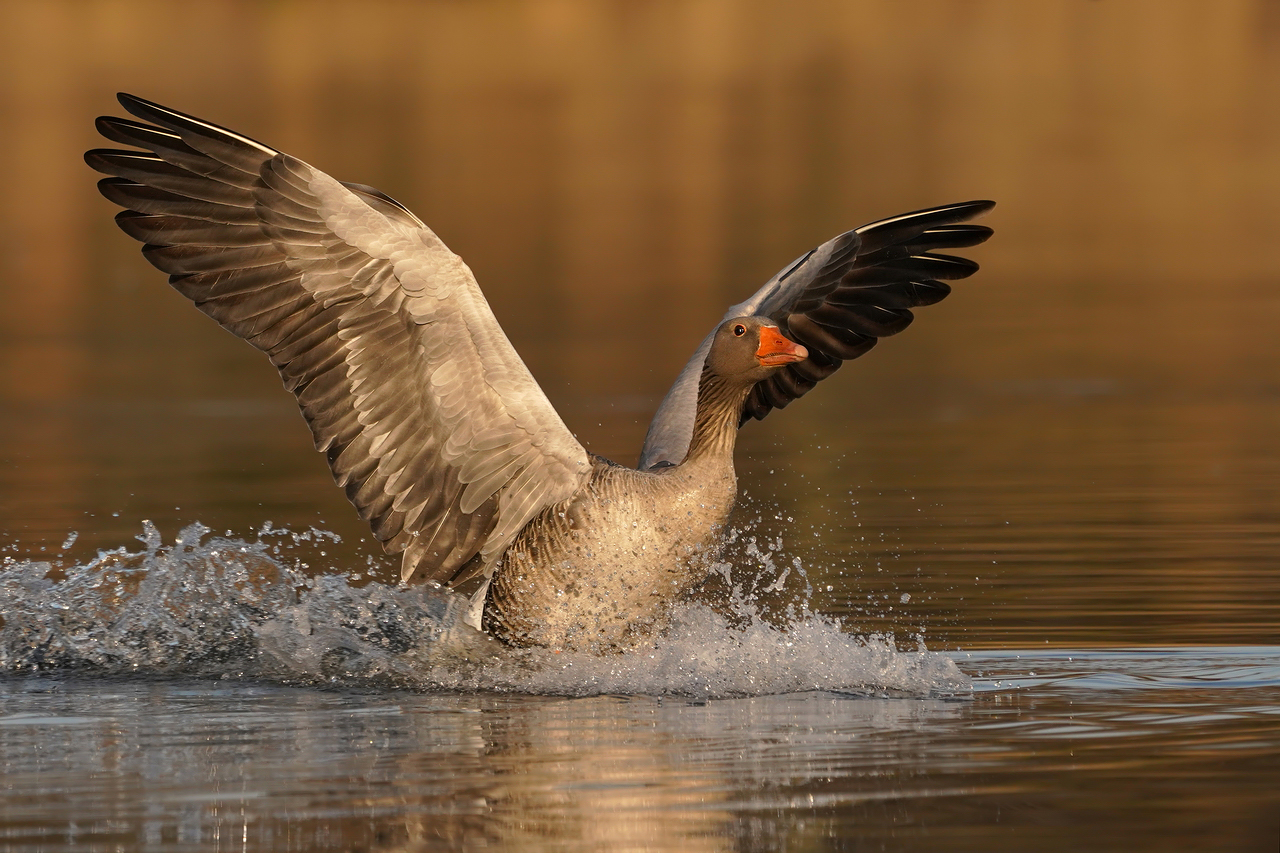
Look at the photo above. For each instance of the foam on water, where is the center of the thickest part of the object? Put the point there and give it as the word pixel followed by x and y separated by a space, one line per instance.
pixel 224 607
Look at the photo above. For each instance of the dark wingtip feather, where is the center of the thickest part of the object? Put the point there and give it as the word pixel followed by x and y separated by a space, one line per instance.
pixel 138 106
pixel 908 228
pixel 103 124
pixel 961 210
pixel 95 160
pixel 136 133
pixel 956 236
pixel 179 122
pixel 979 206
pixel 108 160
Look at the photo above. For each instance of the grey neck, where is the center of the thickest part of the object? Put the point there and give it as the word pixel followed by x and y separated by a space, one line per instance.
pixel 715 425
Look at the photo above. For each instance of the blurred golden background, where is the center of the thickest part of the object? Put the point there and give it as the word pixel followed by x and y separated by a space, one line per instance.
pixel 1100 402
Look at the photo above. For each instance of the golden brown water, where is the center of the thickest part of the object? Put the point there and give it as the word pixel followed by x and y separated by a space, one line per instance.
pixel 1079 448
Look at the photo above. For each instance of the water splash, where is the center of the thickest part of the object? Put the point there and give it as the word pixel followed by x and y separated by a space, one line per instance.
pixel 228 608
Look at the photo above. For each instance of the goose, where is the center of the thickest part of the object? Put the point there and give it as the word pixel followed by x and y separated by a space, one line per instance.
pixel 430 421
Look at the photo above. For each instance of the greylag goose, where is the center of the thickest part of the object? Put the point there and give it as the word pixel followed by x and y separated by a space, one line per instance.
pixel 430 421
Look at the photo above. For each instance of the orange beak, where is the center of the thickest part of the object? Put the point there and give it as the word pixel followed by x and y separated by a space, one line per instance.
pixel 775 349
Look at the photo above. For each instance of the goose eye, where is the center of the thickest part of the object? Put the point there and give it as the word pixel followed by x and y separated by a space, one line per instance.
pixel 739 330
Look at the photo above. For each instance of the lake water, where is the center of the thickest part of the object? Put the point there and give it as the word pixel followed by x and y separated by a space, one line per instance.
pixel 1008 582
pixel 1125 750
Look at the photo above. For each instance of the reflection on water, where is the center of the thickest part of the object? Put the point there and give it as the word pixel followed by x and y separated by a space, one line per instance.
pixel 1067 759
pixel 1079 449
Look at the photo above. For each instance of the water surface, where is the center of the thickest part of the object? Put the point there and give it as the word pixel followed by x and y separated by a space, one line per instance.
pixel 1123 750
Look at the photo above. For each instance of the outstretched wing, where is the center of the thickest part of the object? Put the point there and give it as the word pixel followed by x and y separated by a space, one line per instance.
pixel 430 421
pixel 837 300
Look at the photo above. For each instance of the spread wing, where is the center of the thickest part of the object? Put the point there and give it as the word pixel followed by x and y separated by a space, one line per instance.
pixel 430 421
pixel 837 300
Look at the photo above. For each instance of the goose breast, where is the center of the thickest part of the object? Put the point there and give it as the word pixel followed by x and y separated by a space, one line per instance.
pixel 601 568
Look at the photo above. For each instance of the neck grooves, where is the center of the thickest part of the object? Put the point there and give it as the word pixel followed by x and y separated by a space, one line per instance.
pixel 715 425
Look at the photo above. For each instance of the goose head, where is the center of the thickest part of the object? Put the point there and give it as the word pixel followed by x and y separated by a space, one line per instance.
pixel 746 350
